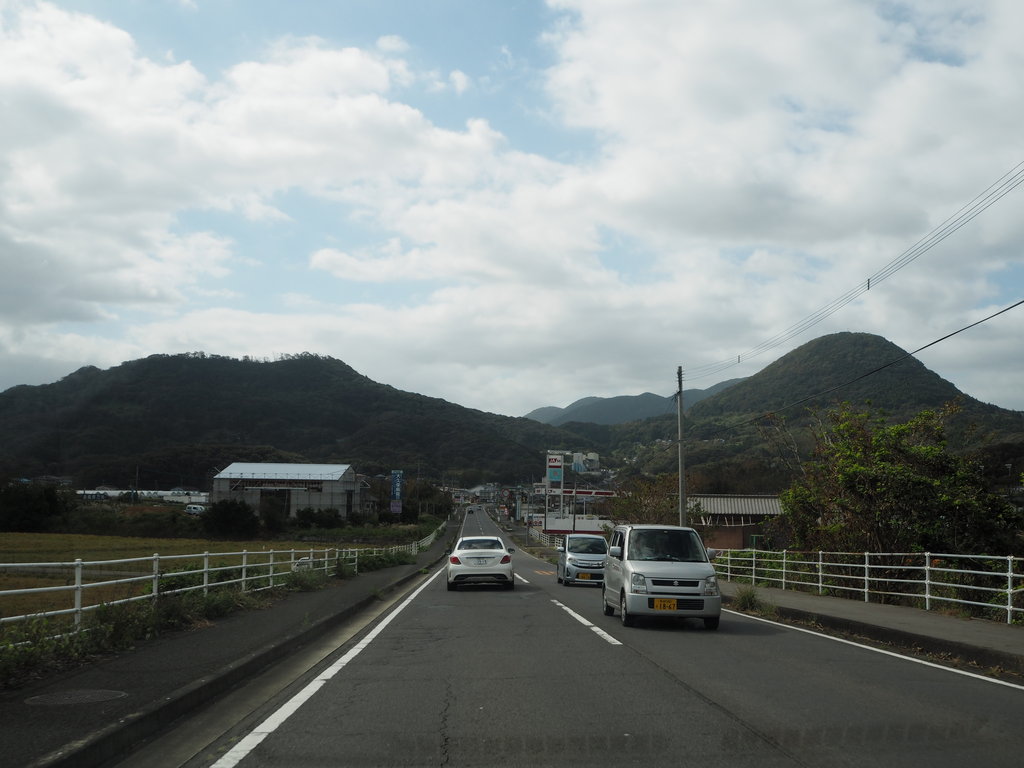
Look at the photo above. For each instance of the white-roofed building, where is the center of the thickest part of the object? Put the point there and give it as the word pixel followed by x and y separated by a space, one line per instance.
pixel 289 486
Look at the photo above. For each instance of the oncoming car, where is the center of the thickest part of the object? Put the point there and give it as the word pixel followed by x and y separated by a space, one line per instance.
pixel 581 559
pixel 660 570
pixel 480 560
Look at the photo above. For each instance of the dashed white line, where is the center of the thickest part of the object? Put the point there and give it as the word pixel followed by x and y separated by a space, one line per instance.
pixel 597 630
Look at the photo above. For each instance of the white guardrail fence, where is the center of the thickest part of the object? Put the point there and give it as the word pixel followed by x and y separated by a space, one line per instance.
pixel 147 578
pixel 992 586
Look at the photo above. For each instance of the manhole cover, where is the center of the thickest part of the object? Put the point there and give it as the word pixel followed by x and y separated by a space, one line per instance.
pixel 80 696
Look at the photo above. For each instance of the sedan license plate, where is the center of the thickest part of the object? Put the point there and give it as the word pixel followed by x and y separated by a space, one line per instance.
pixel 664 604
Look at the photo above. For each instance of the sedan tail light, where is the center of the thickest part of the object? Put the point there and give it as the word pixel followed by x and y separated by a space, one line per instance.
pixel 454 560
pixel 506 559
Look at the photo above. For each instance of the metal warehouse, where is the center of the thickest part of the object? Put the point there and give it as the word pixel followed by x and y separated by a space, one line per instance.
pixel 289 486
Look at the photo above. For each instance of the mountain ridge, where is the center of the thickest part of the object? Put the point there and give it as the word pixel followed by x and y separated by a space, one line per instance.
pixel 169 420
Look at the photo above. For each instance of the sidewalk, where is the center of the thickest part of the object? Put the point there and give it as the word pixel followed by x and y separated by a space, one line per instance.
pixel 988 645
pixel 96 713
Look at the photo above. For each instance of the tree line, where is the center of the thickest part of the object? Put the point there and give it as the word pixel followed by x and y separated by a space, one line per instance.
pixel 869 485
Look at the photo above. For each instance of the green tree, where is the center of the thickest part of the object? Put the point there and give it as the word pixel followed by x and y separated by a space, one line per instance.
pixel 34 506
pixel 230 518
pixel 644 499
pixel 875 486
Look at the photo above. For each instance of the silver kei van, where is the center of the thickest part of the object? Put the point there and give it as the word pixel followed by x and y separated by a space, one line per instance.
pixel 660 570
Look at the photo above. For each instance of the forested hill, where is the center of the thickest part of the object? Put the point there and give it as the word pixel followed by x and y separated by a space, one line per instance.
pixel 179 418
pixel 623 408
pixel 728 446
pixel 858 368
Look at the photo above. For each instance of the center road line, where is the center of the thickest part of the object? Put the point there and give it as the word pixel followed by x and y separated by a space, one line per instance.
pixel 597 630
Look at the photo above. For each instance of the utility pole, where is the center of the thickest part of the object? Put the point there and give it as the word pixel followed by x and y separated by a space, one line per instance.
pixel 682 458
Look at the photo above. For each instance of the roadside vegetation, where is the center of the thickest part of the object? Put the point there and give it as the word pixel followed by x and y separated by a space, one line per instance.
pixel 47 644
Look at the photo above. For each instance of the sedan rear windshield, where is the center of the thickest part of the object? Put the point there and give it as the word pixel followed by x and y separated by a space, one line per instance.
pixel 480 544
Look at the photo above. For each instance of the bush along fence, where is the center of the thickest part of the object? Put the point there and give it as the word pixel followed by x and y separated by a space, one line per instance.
pixel 986 586
pixel 89 585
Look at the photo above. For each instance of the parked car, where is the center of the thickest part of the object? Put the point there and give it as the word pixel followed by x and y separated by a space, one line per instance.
pixel 660 570
pixel 194 509
pixel 480 560
pixel 581 559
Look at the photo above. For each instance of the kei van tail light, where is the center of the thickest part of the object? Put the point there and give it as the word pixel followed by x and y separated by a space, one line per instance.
pixel 454 560
pixel 506 559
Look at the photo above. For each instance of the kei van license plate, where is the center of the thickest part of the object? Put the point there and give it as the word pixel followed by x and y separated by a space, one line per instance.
pixel 664 604
pixel 582 576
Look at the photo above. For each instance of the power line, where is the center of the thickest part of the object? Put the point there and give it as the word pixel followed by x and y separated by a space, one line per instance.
pixel 995 192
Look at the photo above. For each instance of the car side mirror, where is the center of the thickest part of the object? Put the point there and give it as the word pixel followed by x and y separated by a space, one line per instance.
pixel 511 550
pixel 559 549
pixel 615 552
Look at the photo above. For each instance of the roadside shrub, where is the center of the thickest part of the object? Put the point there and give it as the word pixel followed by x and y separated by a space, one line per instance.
pixel 305 581
pixel 376 562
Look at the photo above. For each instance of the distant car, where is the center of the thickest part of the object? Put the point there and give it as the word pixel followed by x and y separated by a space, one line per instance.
pixel 194 509
pixel 581 559
pixel 470 510
pixel 480 560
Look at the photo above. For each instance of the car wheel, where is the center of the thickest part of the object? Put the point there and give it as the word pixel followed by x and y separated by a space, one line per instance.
pixel 608 610
pixel 627 619
pixel 558 578
pixel 511 584
pixel 712 622
pixel 451 586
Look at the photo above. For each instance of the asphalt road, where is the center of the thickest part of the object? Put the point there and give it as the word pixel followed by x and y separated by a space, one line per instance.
pixel 538 676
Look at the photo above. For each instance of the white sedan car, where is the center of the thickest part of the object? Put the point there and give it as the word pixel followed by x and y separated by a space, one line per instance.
pixel 480 560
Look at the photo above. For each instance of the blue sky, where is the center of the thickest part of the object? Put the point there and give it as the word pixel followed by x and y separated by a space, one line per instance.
pixel 506 204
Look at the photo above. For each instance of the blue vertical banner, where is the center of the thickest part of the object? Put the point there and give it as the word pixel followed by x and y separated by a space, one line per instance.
pixel 396 491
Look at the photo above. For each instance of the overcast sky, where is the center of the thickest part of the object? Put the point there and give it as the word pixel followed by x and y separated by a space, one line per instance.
pixel 509 204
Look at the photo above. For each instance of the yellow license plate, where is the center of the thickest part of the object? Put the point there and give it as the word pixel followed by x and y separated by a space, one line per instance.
pixel 583 576
pixel 664 604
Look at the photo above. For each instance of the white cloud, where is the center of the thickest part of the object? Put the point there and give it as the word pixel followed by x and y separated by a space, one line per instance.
pixel 744 164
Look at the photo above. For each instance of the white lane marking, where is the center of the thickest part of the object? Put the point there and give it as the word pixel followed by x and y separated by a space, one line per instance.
pixel 597 630
pixel 237 753
pixel 520 578
pixel 880 650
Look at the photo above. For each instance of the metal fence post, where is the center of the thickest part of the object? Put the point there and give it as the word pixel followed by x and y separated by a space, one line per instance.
pixel 785 553
pixel 206 573
pixel 78 592
pixel 245 569
pixel 867 576
pixel 753 566
pixel 927 581
pixel 821 582
pixel 1009 589
pixel 156 575
pixel 271 568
